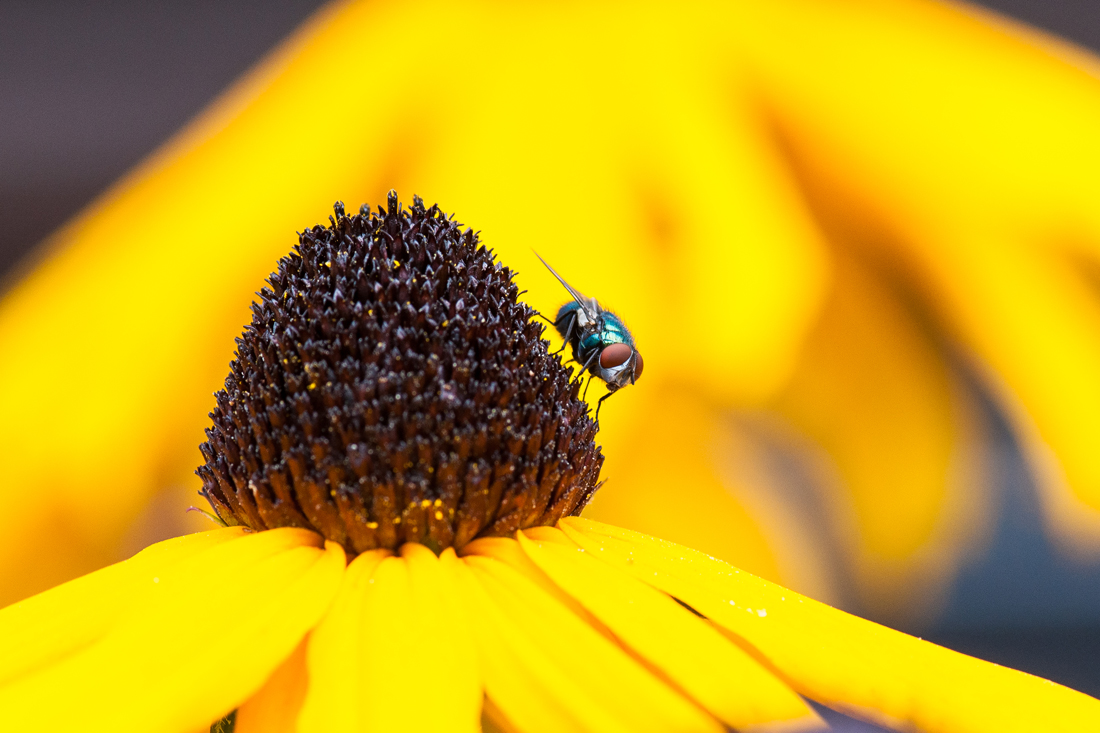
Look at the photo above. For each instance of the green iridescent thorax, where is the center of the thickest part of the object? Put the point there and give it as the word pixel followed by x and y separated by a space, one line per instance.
pixel 612 332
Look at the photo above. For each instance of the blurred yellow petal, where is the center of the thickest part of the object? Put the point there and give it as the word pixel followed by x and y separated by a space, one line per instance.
pixel 628 692
pixel 852 665
pixel 665 435
pixel 874 391
pixel 259 594
pixel 766 468
pixel 122 379
pixel 130 285
pixel 677 194
pixel 691 154
pixel 721 677
pixel 44 629
pixel 493 720
pixel 275 707
pixel 974 170
pixel 338 655
pixel 127 387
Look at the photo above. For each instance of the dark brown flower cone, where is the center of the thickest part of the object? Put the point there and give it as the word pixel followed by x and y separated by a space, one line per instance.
pixel 392 389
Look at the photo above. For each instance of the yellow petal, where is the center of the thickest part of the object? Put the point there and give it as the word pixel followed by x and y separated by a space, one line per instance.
pixel 630 694
pixel 664 435
pixel 720 676
pixel 685 187
pixel 523 684
pixel 392 655
pixel 161 319
pixel 338 655
pixel 258 596
pixel 507 550
pixel 275 707
pixel 409 674
pixel 494 721
pixel 960 146
pixel 853 665
pixel 652 117
pixel 874 390
pixel 438 629
pixel 44 629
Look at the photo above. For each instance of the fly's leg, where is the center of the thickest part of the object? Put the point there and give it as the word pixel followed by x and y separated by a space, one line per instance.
pixel 588 363
pixel 595 355
pixel 552 323
pixel 568 331
pixel 599 405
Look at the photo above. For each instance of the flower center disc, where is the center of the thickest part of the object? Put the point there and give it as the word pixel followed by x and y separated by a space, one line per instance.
pixel 392 389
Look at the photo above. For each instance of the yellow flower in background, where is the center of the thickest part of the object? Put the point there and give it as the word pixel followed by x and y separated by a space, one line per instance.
pixel 567 628
pixel 811 216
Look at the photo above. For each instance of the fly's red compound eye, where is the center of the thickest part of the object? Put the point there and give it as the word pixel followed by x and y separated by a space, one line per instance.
pixel 637 365
pixel 615 355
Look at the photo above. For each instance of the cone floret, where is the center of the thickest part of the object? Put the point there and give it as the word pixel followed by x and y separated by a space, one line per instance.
pixel 391 388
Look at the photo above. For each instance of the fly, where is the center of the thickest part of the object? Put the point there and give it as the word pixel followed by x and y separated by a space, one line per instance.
pixel 601 342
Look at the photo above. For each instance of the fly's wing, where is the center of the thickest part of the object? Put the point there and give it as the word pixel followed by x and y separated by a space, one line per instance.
pixel 588 305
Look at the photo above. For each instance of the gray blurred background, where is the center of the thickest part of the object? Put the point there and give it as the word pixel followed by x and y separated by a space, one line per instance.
pixel 89 88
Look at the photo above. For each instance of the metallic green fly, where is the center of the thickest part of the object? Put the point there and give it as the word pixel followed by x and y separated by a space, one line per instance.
pixel 600 341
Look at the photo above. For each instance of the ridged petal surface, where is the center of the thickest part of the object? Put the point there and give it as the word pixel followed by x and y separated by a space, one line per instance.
pixel 50 626
pixel 392 655
pixel 551 636
pixel 158 670
pixel 841 660
pixel 719 675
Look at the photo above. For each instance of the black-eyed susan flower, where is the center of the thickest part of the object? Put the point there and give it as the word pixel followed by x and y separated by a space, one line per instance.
pixel 843 203
pixel 392 402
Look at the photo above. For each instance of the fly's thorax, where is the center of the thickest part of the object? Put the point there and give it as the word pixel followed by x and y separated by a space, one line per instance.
pixel 606 331
pixel 613 330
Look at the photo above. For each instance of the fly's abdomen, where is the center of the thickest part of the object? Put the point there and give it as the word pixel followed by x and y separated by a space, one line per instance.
pixel 565 315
